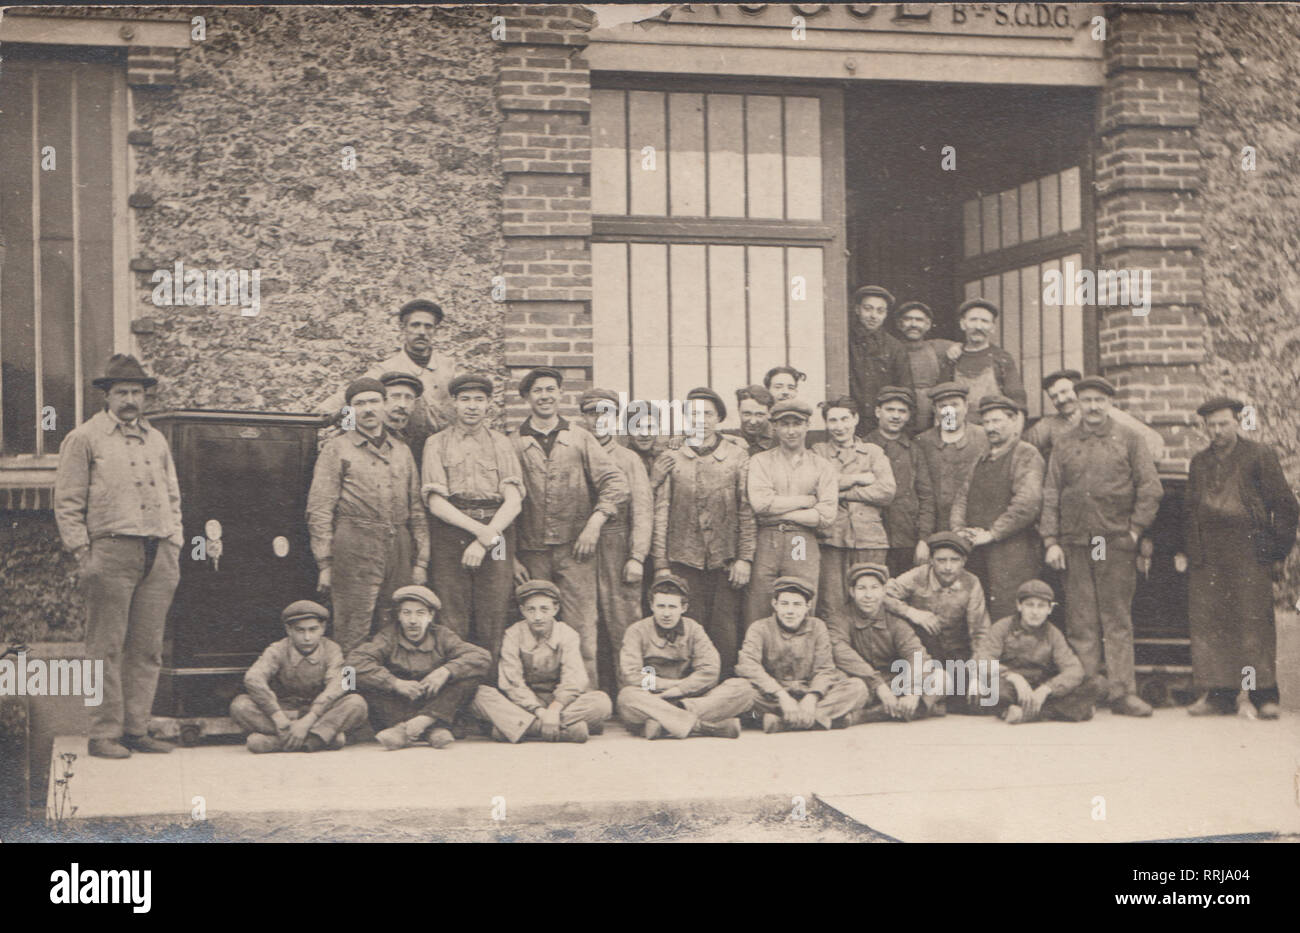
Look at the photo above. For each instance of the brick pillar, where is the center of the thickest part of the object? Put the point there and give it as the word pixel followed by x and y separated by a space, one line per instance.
pixel 1148 212
pixel 544 92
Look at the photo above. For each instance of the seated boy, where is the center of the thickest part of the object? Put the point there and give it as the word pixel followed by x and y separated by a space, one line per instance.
pixel 294 699
pixel 541 675
pixel 1040 677
pixel 867 640
pixel 787 657
pixel 670 673
pixel 416 674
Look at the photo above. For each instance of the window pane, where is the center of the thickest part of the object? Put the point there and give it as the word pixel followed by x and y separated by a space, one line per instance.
pixel 726 155
pixel 970 224
pixel 808 319
pixel 649 293
pixel 992 223
pixel 56 310
pixel 647 153
pixel 803 158
pixel 764 157
pixel 17 293
pixel 1050 201
pixel 1010 210
pixel 609 314
pixel 95 207
pixel 686 158
pixel 727 315
pixel 1029 211
pixel 690 323
pixel 608 152
pixel 1032 363
pixel 1071 201
pixel 767 291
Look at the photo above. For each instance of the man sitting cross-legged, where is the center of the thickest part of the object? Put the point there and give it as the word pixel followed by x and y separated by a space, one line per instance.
pixel 670 672
pixel 541 677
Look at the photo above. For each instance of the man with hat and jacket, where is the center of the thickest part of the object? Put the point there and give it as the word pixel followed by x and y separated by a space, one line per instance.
pixel 910 517
pixel 473 485
pixel 925 358
pixel 1239 525
pixel 998 504
pixel 573 488
pixel 978 364
pixel 368 529
pixel 950 448
pixel 877 357
pixel 1100 493
pixel 1059 387
pixel 118 508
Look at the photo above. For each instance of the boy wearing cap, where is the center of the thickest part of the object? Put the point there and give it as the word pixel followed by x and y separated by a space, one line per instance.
pixel 369 533
pixel 704 529
pixel 1059 387
pixel 998 504
pixel 924 357
pixel 542 681
pixel 417 675
pixel 294 697
pixel 866 485
pixel 877 357
pixel 1100 484
pixel 950 448
pixel 795 495
pixel 979 365
pixel 787 657
pixel 910 518
pixel 670 673
pixel 474 488
pixel 573 488
pixel 1039 676
pixel 870 642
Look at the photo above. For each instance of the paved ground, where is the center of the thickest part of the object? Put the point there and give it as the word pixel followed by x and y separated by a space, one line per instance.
pixel 952 779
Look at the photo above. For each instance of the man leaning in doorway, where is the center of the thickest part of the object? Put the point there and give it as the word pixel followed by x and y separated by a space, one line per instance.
pixel 878 358
pixel 978 364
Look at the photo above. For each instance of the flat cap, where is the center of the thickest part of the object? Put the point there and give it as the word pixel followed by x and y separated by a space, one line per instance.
pixel 948 539
pixel 791 406
pixel 866 291
pixel 795 584
pixel 536 588
pixel 364 384
pixel 879 571
pixel 395 378
pixel 914 306
pixel 1052 378
pixel 895 393
pixel 945 389
pixel 590 397
pixel 841 401
pixel 421 594
pixel 303 609
pixel 420 304
pixel 704 392
pixel 1218 403
pixel 978 303
pixel 1095 382
pixel 990 402
pixel 534 374
pixel 470 381
pixel 1035 588
pixel 671 584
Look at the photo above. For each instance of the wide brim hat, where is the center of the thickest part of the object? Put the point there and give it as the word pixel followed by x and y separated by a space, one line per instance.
pixel 123 367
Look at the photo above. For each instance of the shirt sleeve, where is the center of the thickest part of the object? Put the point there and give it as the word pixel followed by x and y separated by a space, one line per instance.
pixel 957 517
pixel 991 647
pixel 370 661
pixel 1279 502
pixel 1069 669
pixel 323 497
pixel 746 521
pixel 463 659
pixel 177 535
pixel 663 497
pixel 1012 386
pixel 257 679
pixel 1026 493
pixel 631 657
pixel 977 616
pixel 573 672
pixel 510 469
pixel 433 471
pixel 846 656
pixel 706 663
pixel 641 513
pixel 416 516
pixel 925 495
pixel 510 674
pixel 72 490
pixel 759 485
pixel 1149 488
pixel 1049 521
pixel 828 496
pixel 750 662
pixel 608 480
pixel 899 591
pixel 825 673
pixel 880 493
pixel 333 679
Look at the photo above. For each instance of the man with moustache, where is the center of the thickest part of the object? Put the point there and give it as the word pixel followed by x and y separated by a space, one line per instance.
pixel 979 365
pixel 877 357
pixel 118 509
pixel 924 357
pixel 754 404
pixel 950 448
pixel 997 506
pixel 1059 387
pixel 910 518
pixel 368 529
pixel 404 390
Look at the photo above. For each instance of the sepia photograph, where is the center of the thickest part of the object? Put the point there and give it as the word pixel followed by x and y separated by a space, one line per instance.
pixel 722 423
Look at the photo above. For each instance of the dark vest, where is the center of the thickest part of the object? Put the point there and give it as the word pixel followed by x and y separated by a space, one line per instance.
pixel 990 491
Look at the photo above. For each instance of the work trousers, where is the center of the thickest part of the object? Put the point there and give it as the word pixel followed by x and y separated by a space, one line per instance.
pixel 576 581
pixel 370 561
pixel 1098 610
pixel 475 603
pixel 341 717
pixel 832 587
pixel 716 605
pixel 514 722
pixel 1074 706
pixel 793 552
pixel 733 697
pixel 619 603
pixel 847 695
pixel 389 709
pixel 127 587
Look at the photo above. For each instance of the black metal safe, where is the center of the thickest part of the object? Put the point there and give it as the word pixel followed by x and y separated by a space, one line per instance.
pixel 244 478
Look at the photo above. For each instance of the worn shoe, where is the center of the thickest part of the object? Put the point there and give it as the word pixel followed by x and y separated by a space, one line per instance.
pixel 440 737
pixel 726 729
pixel 498 735
pixel 577 732
pixel 1269 710
pixel 652 729
pixel 393 737
pixel 876 713
pixel 1131 705
pixel 337 742
pixel 596 728
pixel 1203 707
pixel 1014 714
pixel 260 744
pixel 773 723
pixel 1245 708
pixel 108 748
pixel 147 744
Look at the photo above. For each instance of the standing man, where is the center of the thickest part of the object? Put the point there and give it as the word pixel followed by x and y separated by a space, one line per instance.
pixel 1059 387
pixel 645 441
pixel 1100 494
pixel 118 509
pixel 924 357
pixel 404 390
pixel 997 506
pixel 625 538
pixel 950 448
pixel 573 488
pixel 794 495
pixel 866 485
pixel 910 518
pixel 1240 519
pixel 755 406
pixel 980 365
pixel 877 357
pixel 704 527
pixel 783 382
pixel 369 533
pixel 419 321
pixel 474 486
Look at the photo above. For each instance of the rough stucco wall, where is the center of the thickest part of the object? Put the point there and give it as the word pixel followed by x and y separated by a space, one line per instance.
pixel 246 171
pixel 1249 71
pixel 38 588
